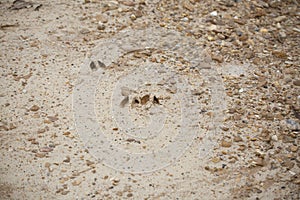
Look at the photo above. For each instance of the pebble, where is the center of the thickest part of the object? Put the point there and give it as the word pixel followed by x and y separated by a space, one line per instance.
pixel 263 30
pixel 217 58
pixel 145 99
pixel 111 5
pixel 282 34
pixel 188 6
pixel 65 192
pixel 129 195
pixel 259 162
pixel 67 133
pixel 40 155
pixel 213 13
pixel 46 149
pixel 294 148
pixel 128 3
pixel 84 31
pixel 213 27
pixel 280 18
pixel 100 26
pixel 274 138
pixel 297 181
pixel 224 128
pixel 47 164
pixel 138 14
pixel 210 38
pixel 280 54
pixel 226 144
pixel 215 159
pixel 185 19
pixel 34 108
pixel 296 82
pixel 67 159
pixel 237 139
pixel 296 30
pixel 133 17
pixel 76 183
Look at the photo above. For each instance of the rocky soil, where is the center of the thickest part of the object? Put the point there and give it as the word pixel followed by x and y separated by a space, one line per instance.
pixel 252 144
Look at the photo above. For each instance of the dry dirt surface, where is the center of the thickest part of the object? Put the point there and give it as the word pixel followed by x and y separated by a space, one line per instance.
pixel 149 99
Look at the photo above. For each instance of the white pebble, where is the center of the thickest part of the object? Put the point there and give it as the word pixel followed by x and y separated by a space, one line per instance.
pixel 292 173
pixel 214 13
pixel 274 138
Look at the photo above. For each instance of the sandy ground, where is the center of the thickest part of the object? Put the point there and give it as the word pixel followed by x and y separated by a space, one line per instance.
pixel 197 99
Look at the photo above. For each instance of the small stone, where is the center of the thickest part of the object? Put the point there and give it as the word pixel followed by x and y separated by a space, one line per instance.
pixel 237 139
pixel 226 144
pixel 128 3
pixel 129 195
pixel 282 34
pixel 111 5
pixel 296 30
pixel 287 139
pixel 215 159
pixel 34 142
pixel 213 27
pixel 188 6
pixel 244 37
pixel 34 108
pixel 46 149
pixel 42 130
pixel 213 13
pixel 64 192
pixel 100 26
pixel 132 17
pixel 101 18
pixel 84 31
pixel 185 19
pixel 242 148
pixel 76 183
pixel 52 118
pixel 259 162
pixel 274 138
pixel 145 99
pixel 138 14
pixel 224 128
pixel 67 159
pixel 47 165
pixel 67 133
pixel 280 18
pixel 294 148
pixel 263 30
pixel 296 82
pixel 297 181
pixel 280 54
pixel 40 155
pixel 217 58
pixel 210 38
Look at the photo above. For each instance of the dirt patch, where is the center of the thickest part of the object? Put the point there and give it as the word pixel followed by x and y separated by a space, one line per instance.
pixel 244 80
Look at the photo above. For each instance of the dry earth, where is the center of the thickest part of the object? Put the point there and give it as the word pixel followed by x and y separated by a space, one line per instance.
pixel 247 144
